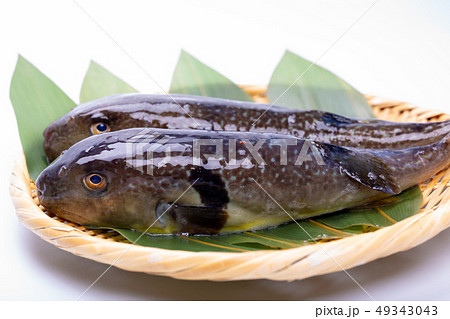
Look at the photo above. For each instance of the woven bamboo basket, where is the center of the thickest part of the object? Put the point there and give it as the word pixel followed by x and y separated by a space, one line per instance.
pixel 288 264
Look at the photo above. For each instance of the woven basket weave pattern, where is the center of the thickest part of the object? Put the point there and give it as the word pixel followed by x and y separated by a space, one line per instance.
pixel 297 263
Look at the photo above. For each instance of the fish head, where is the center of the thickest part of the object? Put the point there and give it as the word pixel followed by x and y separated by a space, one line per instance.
pixel 108 114
pixel 78 124
pixel 92 184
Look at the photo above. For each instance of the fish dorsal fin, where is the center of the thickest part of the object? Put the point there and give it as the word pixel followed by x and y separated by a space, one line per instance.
pixel 367 169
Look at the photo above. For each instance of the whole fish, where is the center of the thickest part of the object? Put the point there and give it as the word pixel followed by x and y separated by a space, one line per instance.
pixel 124 111
pixel 201 182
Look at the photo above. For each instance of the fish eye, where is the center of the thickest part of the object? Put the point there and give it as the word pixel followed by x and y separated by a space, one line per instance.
pixel 94 182
pixel 100 127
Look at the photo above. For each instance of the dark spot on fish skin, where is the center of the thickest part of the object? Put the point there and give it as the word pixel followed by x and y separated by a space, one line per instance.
pixel 208 219
pixel 210 187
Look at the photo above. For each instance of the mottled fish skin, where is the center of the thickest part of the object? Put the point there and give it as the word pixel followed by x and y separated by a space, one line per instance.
pixel 196 112
pixel 217 195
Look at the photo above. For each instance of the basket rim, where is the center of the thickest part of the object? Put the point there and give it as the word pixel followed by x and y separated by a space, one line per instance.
pixel 286 264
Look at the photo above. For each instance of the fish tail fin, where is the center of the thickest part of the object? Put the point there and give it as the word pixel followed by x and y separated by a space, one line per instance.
pixel 415 165
pixel 390 171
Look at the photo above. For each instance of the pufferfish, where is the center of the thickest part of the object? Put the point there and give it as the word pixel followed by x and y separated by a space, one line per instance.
pixel 123 111
pixel 202 182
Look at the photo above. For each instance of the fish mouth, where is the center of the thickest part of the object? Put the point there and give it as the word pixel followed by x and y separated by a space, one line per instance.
pixel 50 138
pixel 54 141
pixel 39 187
pixel 41 190
pixel 39 193
pixel 51 200
pixel 45 188
pixel 48 133
pixel 42 194
pixel 49 152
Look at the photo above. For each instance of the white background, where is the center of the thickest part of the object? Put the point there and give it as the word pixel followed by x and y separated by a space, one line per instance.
pixel 398 49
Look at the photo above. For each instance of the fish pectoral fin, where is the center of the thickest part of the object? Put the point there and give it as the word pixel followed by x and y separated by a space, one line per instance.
pixel 192 219
pixel 367 169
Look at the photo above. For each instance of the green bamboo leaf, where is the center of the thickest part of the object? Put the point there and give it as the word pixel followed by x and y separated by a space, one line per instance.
pixel 283 237
pixel 37 102
pixel 403 206
pixel 99 82
pixel 191 243
pixel 226 243
pixel 195 78
pixel 246 241
pixel 303 231
pixel 298 83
